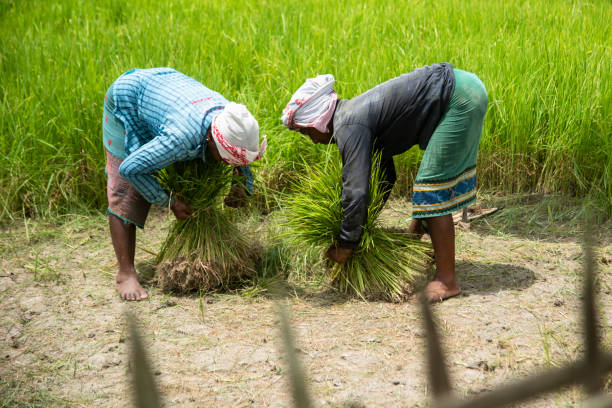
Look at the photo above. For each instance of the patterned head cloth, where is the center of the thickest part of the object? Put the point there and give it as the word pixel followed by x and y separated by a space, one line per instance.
pixel 236 134
pixel 312 105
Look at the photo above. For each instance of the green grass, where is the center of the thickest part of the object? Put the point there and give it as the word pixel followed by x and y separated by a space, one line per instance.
pixel 19 394
pixel 546 66
pixel 543 217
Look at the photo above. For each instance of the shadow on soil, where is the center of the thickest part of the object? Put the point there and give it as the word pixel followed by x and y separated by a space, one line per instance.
pixel 484 278
pixel 474 277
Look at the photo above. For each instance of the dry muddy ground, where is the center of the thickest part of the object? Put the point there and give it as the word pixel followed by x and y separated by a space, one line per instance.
pixel 63 332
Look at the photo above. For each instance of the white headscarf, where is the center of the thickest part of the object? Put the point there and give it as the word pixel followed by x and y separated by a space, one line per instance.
pixel 312 105
pixel 236 134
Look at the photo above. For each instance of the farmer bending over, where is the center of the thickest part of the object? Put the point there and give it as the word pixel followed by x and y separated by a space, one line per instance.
pixel 437 107
pixel 153 118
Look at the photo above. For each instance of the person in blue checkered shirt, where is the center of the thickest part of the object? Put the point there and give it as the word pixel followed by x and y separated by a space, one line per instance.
pixel 153 118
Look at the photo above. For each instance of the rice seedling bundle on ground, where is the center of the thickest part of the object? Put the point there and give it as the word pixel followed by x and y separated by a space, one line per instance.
pixel 207 251
pixel 387 261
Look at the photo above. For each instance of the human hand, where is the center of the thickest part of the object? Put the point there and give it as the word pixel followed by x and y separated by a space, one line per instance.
pixel 338 254
pixel 181 210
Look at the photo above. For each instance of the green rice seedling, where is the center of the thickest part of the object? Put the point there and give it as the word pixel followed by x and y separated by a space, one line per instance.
pixel 206 251
pixel 386 262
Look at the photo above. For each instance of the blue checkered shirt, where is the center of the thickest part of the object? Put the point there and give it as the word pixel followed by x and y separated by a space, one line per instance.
pixel 166 115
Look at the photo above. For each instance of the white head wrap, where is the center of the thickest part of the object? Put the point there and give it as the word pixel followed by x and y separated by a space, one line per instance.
pixel 312 105
pixel 236 134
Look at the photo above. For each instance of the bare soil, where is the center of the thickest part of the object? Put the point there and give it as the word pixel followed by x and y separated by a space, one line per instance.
pixel 63 333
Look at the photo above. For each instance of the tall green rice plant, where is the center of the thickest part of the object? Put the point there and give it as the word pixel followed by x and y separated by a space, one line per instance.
pixel 545 64
pixel 207 250
pixel 386 262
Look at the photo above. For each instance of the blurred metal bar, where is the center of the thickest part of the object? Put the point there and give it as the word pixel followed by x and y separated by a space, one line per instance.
pixel 145 393
pixel 299 389
pixel 549 381
pixel 438 376
pixel 593 381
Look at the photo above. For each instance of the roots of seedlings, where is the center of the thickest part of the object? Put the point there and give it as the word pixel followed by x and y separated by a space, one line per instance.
pixel 194 273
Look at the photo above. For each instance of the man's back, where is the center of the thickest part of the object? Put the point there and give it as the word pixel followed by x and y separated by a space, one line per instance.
pixel 156 100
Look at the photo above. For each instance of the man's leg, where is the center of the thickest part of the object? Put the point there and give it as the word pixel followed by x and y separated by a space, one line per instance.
pixel 416 228
pixel 123 236
pixel 442 233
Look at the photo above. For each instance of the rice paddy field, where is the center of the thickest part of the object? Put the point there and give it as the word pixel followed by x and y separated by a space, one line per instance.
pixel 546 66
pixel 545 156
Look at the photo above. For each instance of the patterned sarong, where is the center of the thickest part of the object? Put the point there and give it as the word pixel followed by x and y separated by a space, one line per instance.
pixel 124 201
pixel 446 180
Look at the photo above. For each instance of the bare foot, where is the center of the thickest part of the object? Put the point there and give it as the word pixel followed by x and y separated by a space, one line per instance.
pixel 130 289
pixel 437 291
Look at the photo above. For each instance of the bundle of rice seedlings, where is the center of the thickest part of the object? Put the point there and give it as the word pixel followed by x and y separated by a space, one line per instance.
pixel 206 251
pixel 386 263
